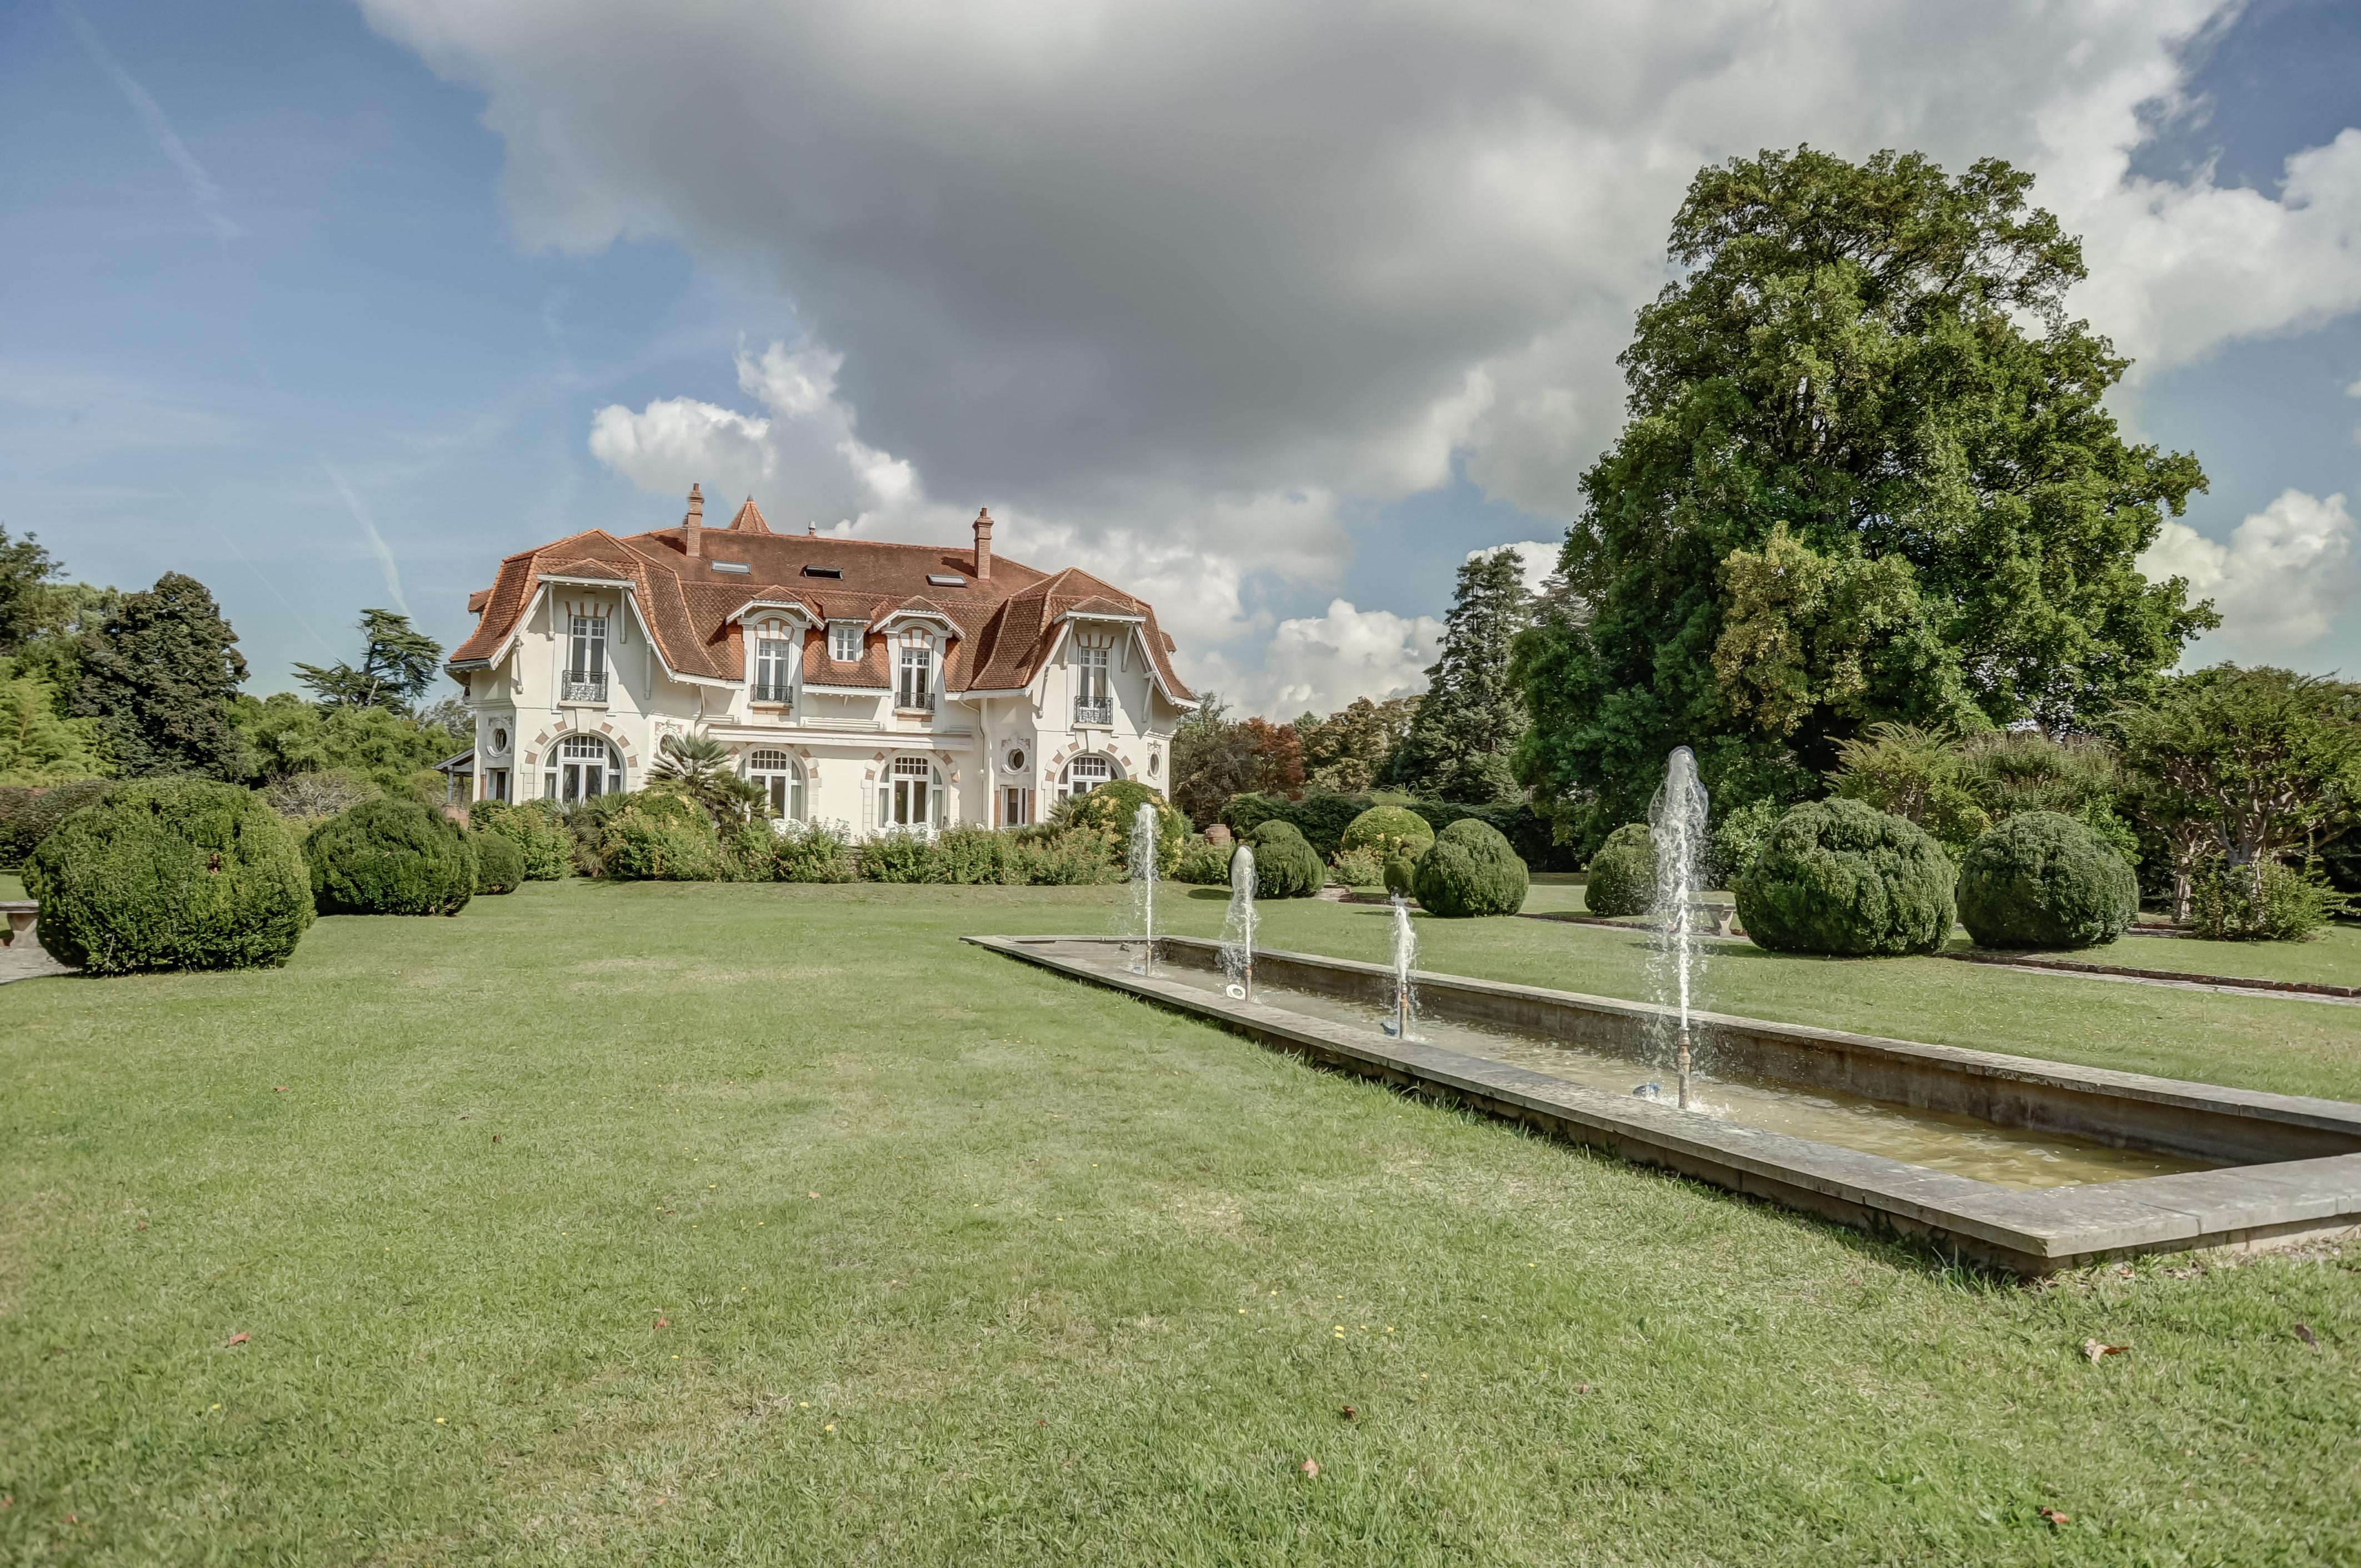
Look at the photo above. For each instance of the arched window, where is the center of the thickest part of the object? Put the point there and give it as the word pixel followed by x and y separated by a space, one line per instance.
pixel 782 778
pixel 1085 774
pixel 581 767
pixel 911 795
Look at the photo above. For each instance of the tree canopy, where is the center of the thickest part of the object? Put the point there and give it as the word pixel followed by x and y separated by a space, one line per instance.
pixel 158 674
pixel 1867 476
pixel 398 664
pixel 1467 724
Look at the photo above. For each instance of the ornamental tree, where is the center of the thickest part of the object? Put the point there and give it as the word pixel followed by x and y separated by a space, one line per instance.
pixel 1468 722
pixel 1867 477
pixel 158 675
pixel 396 666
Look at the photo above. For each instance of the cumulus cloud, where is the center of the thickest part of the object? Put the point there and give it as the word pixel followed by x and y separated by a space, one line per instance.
pixel 2286 574
pixel 1321 663
pixel 1174 264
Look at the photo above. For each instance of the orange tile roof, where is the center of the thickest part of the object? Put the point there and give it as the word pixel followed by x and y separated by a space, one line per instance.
pixel 1005 627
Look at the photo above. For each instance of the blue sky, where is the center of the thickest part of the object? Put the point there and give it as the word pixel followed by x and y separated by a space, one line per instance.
pixel 333 306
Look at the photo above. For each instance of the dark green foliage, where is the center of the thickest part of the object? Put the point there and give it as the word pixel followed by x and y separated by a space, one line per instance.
pixel 391 857
pixel 1402 876
pixel 1623 873
pixel 1471 869
pixel 899 857
pixel 976 856
pixel 1071 858
pixel 1389 830
pixel 158 674
pixel 28 815
pixel 1835 876
pixel 2265 902
pixel 1869 475
pixel 1322 818
pixel 171 875
pixel 1204 865
pixel 1109 811
pixel 1357 868
pixel 499 864
pixel 1739 838
pixel 2042 880
pixel 396 666
pixel 656 835
pixel 1286 865
pixel 812 851
pixel 1466 725
pixel 535 827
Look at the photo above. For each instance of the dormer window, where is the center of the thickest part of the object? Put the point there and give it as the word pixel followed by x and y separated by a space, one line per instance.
pixel 915 690
pixel 844 642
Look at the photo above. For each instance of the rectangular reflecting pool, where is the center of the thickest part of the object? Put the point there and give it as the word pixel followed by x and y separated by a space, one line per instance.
pixel 2030 1164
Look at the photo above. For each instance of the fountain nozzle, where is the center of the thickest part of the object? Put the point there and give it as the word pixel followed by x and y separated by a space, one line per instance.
pixel 1682 1063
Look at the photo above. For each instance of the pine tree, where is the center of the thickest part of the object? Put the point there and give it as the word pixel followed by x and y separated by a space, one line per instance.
pixel 158 675
pixel 1470 718
pixel 396 666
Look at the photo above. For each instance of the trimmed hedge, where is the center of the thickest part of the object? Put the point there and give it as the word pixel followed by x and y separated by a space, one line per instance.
pixel 812 851
pixel 1623 873
pixel 1204 865
pixel 499 864
pixel 391 857
pixel 1110 810
pixel 2042 880
pixel 536 828
pixel 30 815
pixel 1322 818
pixel 1835 876
pixel 1286 865
pixel 1389 831
pixel 657 836
pixel 1401 876
pixel 171 875
pixel 1471 869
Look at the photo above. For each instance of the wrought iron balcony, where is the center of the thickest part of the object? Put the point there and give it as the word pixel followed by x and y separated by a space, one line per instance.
pixel 1089 712
pixel 583 686
pixel 915 702
pixel 771 691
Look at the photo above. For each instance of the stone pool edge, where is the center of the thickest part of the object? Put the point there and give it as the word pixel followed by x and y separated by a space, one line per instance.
pixel 2027 1233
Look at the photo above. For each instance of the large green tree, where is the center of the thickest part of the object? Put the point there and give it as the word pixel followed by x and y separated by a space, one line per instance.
pixel 1349 749
pixel 158 675
pixel 1867 477
pixel 1467 724
pixel 397 666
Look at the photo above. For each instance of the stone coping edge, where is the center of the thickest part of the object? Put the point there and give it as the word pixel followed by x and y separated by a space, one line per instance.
pixel 2031 1232
pixel 2231 981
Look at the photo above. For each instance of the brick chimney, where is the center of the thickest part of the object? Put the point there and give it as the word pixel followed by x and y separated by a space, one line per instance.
pixel 982 546
pixel 692 527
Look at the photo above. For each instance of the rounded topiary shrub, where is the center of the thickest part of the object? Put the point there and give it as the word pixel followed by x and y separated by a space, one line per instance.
pixel 1623 873
pixel 499 864
pixel 2040 880
pixel 171 875
pixel 1402 876
pixel 1389 831
pixel 28 815
pixel 1286 865
pixel 1835 876
pixel 391 857
pixel 1110 810
pixel 1471 869
pixel 536 828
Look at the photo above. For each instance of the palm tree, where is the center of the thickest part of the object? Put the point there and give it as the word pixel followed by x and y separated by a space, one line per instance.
pixel 704 770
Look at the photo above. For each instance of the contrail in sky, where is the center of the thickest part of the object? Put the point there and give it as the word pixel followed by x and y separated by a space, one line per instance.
pixel 201 189
pixel 376 540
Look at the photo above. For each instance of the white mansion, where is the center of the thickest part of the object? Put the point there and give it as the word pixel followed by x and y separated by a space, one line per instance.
pixel 874 686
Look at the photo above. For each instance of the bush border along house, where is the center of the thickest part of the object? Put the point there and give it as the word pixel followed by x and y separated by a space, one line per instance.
pixel 171 875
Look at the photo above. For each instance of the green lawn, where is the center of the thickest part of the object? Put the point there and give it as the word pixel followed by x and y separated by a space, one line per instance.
pixel 2333 958
pixel 759 1223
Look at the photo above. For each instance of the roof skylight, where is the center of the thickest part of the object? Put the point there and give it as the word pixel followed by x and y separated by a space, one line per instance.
pixel 946 580
pixel 740 567
pixel 823 571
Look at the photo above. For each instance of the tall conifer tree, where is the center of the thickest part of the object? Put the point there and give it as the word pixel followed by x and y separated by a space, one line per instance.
pixel 1468 722
pixel 158 675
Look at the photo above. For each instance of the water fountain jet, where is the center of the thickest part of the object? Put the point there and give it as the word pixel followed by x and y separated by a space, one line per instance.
pixel 1238 926
pixel 1143 881
pixel 1405 959
pixel 1677 828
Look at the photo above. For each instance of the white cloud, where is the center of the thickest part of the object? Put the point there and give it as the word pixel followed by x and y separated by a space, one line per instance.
pixel 1537 558
pixel 377 546
pixel 1179 276
pixel 2286 574
pixel 1321 663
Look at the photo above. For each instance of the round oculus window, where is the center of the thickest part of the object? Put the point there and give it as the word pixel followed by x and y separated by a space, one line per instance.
pixel 500 740
pixel 1017 760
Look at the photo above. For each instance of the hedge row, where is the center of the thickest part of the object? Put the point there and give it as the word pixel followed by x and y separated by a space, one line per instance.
pixel 1323 819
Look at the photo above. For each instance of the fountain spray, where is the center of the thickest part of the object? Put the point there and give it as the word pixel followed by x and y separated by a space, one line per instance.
pixel 1238 925
pixel 1143 881
pixel 1405 959
pixel 1676 827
